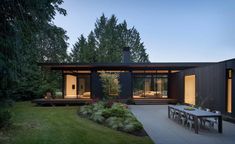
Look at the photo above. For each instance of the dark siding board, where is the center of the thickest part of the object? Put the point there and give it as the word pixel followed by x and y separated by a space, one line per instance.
pixel 173 86
pixel 63 84
pixel 96 86
pixel 126 85
pixel 78 88
pixel 177 86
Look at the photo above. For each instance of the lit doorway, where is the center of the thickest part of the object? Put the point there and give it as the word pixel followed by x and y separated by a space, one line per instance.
pixel 189 89
pixel 71 86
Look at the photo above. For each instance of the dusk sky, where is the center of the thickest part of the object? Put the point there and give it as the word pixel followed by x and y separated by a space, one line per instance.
pixel 172 30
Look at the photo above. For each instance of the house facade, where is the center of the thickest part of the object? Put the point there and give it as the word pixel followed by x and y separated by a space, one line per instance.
pixel 205 84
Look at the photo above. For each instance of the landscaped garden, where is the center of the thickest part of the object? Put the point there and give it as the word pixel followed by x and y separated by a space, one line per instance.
pixel 60 125
pixel 114 115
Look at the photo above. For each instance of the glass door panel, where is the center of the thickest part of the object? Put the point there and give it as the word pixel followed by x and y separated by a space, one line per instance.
pixel 84 86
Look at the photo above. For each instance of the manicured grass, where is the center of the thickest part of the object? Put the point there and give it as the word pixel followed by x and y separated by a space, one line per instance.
pixel 60 125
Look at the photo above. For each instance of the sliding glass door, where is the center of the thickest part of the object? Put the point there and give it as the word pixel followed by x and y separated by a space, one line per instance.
pixel 150 86
pixel 77 86
pixel 84 86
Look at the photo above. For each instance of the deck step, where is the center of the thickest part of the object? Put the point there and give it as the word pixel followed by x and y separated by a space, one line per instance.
pixel 155 101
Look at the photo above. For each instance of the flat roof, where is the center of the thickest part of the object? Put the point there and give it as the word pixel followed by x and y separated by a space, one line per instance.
pixel 124 66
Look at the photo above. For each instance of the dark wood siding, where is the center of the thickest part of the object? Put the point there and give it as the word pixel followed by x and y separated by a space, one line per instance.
pixel 126 83
pixel 211 87
pixel 173 86
pixel 96 86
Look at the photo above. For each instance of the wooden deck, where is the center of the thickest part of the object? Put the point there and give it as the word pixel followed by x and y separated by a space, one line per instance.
pixel 61 101
pixel 155 101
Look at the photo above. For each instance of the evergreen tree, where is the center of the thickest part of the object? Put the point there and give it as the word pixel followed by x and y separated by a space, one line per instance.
pixel 91 48
pixel 108 41
pixel 79 51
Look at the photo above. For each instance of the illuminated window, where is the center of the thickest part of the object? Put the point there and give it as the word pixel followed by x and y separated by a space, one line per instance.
pixel 150 86
pixel 150 71
pixel 111 71
pixel 71 86
pixel 162 71
pixel 139 71
pixel 189 89
pixel 174 71
pixel 229 91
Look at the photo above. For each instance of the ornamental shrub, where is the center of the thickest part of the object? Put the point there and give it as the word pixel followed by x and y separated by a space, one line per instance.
pixel 116 117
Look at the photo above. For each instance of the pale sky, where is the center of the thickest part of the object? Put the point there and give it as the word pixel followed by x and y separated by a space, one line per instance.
pixel 172 30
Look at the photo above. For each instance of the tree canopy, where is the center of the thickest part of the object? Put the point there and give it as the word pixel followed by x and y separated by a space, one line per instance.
pixel 28 36
pixel 105 43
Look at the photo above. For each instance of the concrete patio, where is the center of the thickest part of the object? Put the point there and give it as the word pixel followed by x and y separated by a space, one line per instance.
pixel 166 131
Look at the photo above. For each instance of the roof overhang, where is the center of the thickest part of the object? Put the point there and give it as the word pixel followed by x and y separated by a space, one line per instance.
pixel 124 66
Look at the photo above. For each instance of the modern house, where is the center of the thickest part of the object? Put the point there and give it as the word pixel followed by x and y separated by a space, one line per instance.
pixel 206 84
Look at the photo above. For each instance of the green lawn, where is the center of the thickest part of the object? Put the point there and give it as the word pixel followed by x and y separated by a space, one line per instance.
pixel 60 125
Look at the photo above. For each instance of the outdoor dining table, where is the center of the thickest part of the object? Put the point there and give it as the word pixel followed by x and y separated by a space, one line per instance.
pixel 197 114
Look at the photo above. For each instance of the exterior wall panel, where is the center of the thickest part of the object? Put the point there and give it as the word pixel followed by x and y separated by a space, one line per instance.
pixel 126 85
pixel 173 86
pixel 210 86
pixel 96 87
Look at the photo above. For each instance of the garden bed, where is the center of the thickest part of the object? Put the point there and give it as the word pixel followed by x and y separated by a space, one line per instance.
pixel 114 115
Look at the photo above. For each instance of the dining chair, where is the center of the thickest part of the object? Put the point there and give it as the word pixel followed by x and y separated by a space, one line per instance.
pixel 176 115
pixel 190 121
pixel 210 121
pixel 172 111
pixel 208 110
pixel 183 118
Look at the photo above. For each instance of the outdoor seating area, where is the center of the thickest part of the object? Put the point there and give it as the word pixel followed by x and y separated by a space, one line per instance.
pixel 195 118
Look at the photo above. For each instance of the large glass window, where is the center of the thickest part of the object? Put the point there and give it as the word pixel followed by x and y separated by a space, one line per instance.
pixel 150 86
pixel 84 86
pixel 138 87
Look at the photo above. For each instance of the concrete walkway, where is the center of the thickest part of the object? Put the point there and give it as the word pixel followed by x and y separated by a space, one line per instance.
pixel 166 131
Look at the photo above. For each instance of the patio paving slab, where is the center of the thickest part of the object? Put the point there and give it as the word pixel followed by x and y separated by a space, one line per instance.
pixel 163 130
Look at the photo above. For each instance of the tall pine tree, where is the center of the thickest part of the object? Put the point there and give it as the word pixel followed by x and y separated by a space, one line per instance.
pixel 80 51
pixel 91 48
pixel 107 43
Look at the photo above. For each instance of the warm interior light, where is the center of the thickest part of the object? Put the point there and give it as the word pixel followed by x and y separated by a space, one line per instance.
pixel 162 71
pixel 189 89
pixel 71 86
pixel 174 71
pixel 229 96
pixel 111 71
pixel 138 71
pixel 230 73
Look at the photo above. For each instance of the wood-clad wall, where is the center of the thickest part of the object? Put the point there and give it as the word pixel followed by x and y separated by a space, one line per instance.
pixel 211 87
